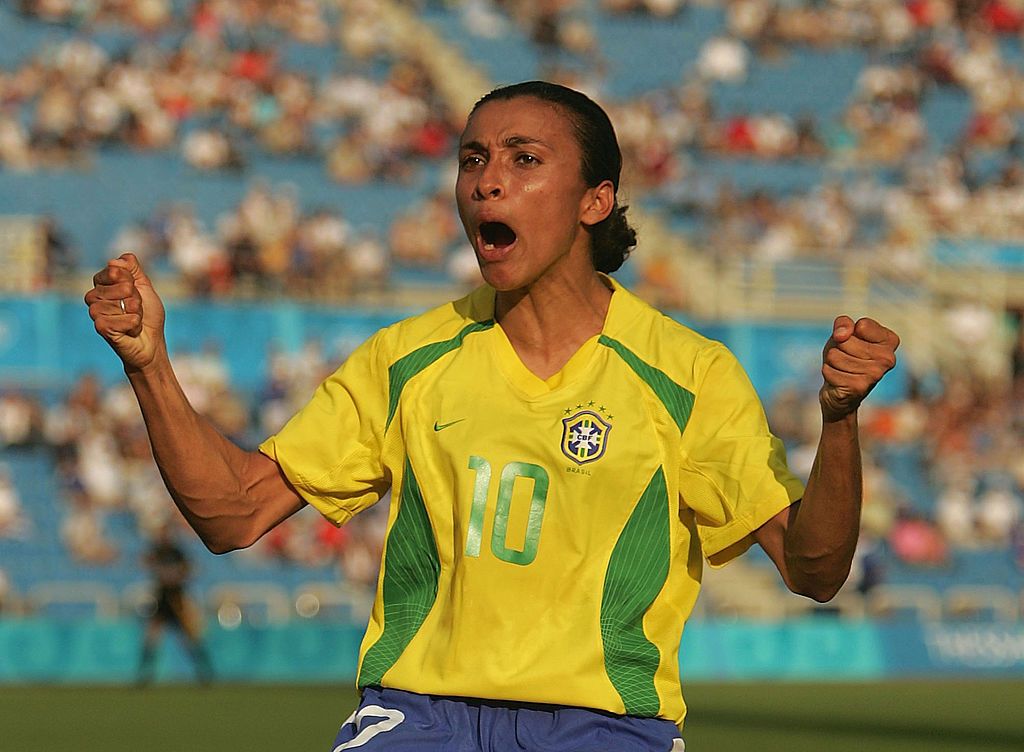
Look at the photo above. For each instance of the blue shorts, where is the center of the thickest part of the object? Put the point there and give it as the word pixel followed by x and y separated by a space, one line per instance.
pixel 398 721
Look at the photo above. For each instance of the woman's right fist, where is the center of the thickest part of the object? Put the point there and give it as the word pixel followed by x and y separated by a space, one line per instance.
pixel 126 311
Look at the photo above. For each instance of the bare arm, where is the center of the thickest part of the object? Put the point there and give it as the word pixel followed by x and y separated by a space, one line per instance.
pixel 229 496
pixel 813 541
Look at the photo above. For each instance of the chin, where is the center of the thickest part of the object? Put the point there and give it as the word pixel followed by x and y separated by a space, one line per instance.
pixel 501 278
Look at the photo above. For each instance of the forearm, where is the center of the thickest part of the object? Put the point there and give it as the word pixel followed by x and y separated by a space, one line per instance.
pixel 229 496
pixel 204 472
pixel 821 537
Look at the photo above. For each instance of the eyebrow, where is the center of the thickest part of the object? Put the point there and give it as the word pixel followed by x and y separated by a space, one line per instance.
pixel 510 142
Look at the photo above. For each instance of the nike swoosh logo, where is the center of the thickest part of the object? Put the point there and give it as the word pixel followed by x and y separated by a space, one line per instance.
pixel 442 426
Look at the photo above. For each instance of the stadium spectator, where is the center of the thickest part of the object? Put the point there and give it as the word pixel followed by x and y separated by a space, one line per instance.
pixel 81 409
pixel 82 528
pixel 868 569
pixel 211 149
pixel 369 261
pixel 145 493
pixel 956 514
pixel 656 8
pixel 98 470
pixel 916 541
pixel 320 253
pixel 536 192
pixel 881 500
pixel 195 252
pixel 21 419
pixel 13 521
pixel 361 557
pixel 203 373
pixel 723 59
pixel 999 513
pixel 422 235
pixel 61 259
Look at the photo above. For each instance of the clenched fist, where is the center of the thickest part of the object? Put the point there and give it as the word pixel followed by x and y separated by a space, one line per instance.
pixel 127 312
pixel 855 358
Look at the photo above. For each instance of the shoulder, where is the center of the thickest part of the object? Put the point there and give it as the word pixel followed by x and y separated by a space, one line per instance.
pixel 445 325
pixel 663 343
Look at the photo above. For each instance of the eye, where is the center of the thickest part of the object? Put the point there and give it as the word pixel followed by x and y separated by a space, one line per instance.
pixel 527 159
pixel 470 161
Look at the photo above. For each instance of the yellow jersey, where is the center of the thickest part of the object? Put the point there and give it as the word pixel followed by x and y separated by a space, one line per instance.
pixel 546 538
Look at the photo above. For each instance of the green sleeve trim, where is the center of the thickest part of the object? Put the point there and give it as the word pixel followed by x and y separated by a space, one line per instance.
pixel 412 569
pixel 676 399
pixel 637 571
pixel 408 366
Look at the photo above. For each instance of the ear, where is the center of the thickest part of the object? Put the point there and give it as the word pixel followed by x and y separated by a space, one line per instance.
pixel 598 203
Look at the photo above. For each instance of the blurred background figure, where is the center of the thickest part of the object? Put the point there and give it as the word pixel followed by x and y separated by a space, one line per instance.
pixel 171 570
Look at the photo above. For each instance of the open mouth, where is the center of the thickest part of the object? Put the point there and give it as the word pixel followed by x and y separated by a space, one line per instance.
pixel 496 236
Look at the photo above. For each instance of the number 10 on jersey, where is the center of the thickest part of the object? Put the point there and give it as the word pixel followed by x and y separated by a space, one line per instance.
pixel 499 532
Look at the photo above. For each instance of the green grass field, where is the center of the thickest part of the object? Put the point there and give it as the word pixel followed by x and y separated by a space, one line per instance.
pixel 904 716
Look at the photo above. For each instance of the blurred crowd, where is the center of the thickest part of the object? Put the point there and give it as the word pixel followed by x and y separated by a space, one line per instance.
pixel 886 186
pixel 211 81
pixel 269 245
pixel 104 465
pixel 266 245
pixel 207 80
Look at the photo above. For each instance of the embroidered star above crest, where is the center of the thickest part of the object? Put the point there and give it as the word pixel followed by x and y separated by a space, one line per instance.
pixel 588 405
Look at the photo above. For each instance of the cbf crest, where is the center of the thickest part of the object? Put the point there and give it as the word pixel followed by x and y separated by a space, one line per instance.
pixel 585 434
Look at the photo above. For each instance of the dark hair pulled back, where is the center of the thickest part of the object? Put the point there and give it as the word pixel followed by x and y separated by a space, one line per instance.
pixel 612 239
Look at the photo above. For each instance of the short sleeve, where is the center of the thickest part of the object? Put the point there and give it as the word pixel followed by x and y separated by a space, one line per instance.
pixel 330 450
pixel 733 475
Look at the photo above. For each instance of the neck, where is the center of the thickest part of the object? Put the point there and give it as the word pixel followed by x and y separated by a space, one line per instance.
pixel 549 321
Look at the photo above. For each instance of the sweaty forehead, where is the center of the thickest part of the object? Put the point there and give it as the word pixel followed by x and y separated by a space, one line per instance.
pixel 497 120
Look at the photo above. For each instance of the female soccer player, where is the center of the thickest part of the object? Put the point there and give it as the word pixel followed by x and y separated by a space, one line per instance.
pixel 562 458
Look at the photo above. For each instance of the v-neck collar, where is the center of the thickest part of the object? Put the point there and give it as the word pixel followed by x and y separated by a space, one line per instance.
pixel 579 363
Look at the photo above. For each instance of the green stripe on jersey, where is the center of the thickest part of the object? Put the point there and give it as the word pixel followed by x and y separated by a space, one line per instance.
pixel 411 571
pixel 408 366
pixel 636 573
pixel 676 399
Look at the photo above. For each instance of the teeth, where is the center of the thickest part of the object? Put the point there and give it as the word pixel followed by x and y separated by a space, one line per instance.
pixel 488 246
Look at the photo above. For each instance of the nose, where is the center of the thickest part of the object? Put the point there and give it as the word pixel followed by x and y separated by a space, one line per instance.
pixel 490 184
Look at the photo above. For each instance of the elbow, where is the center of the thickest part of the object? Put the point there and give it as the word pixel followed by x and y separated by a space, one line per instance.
pixel 218 545
pixel 224 541
pixel 820 584
pixel 222 534
pixel 821 592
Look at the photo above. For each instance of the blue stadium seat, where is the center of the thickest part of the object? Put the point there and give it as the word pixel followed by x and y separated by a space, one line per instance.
pixel 947 113
pixel 783 178
pixel 802 82
pixel 646 53
pixel 506 59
